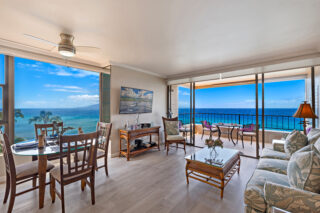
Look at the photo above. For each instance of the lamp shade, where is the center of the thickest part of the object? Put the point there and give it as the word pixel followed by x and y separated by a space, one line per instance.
pixel 304 111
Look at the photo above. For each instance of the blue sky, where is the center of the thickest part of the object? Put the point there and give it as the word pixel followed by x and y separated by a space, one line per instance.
pixel 44 85
pixel 285 94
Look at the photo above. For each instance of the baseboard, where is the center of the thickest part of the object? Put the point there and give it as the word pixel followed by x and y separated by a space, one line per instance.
pixel 115 155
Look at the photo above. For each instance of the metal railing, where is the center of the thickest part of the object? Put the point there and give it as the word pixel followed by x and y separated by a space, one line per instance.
pixel 276 122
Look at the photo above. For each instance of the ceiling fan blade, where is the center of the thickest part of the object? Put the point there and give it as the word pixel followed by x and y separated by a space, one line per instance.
pixel 40 39
pixel 87 49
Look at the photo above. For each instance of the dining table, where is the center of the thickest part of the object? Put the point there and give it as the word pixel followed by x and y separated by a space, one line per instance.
pixel 230 127
pixel 51 147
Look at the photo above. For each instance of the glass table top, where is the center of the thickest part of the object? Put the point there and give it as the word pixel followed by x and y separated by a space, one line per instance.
pixel 51 147
pixel 217 157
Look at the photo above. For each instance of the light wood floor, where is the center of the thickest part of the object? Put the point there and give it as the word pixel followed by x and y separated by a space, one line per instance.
pixel 150 182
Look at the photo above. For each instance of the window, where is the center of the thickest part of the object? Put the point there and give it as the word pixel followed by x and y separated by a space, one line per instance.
pixel 47 92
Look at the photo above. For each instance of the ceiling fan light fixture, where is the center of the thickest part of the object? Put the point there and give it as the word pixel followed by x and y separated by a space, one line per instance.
pixel 66 47
pixel 67 52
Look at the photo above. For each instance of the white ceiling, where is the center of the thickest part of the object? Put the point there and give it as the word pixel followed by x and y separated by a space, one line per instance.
pixel 170 37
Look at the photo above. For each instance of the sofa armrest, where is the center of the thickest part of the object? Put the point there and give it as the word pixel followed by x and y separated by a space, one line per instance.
pixel 290 199
pixel 278 145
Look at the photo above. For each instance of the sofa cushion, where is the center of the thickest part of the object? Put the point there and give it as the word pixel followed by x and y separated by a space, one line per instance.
pixel 317 145
pixel 175 138
pixel 273 165
pixel 295 141
pixel 313 135
pixel 172 127
pixel 270 153
pixel 254 192
pixel 304 170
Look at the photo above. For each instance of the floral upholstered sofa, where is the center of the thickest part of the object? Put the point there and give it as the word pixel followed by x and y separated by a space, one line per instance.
pixel 287 177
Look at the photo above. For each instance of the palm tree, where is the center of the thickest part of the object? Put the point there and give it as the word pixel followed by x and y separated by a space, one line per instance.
pixel 45 117
pixel 17 114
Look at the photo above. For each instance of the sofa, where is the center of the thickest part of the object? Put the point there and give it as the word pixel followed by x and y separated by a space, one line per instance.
pixel 269 186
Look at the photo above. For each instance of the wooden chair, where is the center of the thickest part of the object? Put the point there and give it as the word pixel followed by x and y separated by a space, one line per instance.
pixel 48 128
pixel 79 170
pixel 248 130
pixel 172 138
pixel 207 127
pixel 104 130
pixel 16 175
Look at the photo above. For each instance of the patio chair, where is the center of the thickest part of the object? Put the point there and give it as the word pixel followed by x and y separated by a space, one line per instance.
pixel 16 175
pixel 172 134
pixel 183 129
pixel 248 130
pixel 207 127
pixel 80 170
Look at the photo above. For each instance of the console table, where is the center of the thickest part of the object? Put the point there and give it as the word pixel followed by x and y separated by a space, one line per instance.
pixel 131 134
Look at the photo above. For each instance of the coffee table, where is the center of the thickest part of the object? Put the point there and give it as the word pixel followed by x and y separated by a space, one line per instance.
pixel 213 166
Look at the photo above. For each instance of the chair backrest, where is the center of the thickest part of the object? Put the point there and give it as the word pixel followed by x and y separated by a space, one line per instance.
pixel 7 154
pixel 104 130
pixel 48 128
pixel 206 124
pixel 164 119
pixel 86 143
pixel 249 128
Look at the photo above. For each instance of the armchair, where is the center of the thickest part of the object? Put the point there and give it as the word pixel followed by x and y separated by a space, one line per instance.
pixel 207 127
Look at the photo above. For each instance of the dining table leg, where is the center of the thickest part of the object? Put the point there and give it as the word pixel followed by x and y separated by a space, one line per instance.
pixel 42 170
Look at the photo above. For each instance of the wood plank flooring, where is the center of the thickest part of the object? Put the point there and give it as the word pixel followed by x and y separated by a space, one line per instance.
pixel 150 182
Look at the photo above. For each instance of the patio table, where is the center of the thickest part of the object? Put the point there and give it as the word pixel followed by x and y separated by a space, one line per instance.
pixel 51 147
pixel 230 127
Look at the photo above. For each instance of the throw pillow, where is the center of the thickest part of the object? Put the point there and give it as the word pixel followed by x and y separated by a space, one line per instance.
pixel 172 127
pixel 313 135
pixel 304 170
pixel 295 141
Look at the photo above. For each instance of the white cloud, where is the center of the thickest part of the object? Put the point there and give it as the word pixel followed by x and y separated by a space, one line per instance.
pixel 185 93
pixel 74 72
pixel 84 100
pixel 65 88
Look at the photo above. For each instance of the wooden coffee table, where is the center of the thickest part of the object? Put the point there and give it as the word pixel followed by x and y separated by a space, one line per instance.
pixel 213 167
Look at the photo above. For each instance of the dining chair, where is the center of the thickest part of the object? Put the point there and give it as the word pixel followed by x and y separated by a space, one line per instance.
pixel 79 170
pixel 48 128
pixel 248 130
pixel 19 174
pixel 104 130
pixel 172 134
pixel 207 127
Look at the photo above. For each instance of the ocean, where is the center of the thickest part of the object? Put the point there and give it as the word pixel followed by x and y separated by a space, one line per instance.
pixel 78 117
pixel 275 118
pixel 87 118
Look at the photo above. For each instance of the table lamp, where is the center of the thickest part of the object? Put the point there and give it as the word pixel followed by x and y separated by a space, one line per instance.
pixel 304 111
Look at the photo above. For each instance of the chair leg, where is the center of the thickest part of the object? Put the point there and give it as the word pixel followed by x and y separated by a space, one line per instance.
pixel 62 198
pixel 7 188
pixel 52 189
pixel 34 182
pixel 106 165
pixel 202 134
pixel 93 201
pixel 184 146
pixel 176 146
pixel 242 141
pixel 12 195
pixel 251 140
pixel 167 148
pixel 83 184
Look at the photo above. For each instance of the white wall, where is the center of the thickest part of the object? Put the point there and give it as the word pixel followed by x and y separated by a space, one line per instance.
pixel 125 77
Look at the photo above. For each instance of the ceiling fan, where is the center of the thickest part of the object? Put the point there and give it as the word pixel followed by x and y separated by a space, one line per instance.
pixel 65 46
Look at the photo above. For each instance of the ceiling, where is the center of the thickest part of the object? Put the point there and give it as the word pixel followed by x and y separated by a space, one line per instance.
pixel 168 38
